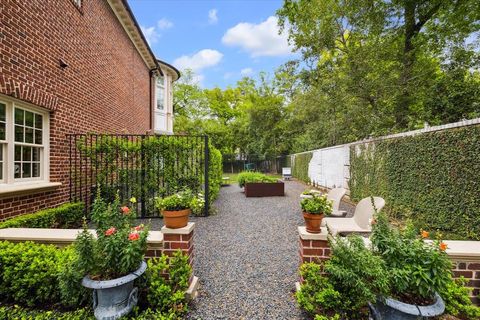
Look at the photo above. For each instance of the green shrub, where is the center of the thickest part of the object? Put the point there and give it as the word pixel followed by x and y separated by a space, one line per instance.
pixel 357 273
pixel 71 271
pixel 300 166
pixel 416 268
pixel 252 177
pixel 178 201
pixel 457 301
pixel 16 313
pixel 29 273
pixel 68 215
pixel 167 294
pixel 431 178
pixel 215 173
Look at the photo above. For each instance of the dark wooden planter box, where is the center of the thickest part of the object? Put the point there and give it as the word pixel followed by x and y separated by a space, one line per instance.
pixel 259 189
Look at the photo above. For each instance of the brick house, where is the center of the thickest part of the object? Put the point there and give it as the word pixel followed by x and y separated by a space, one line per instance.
pixel 70 66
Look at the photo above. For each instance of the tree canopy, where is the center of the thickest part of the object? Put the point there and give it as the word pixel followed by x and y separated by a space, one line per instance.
pixel 367 68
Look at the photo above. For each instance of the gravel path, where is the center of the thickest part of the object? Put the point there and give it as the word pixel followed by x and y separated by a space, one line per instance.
pixel 246 257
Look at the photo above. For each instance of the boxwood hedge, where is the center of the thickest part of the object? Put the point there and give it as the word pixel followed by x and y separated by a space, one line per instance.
pixel 432 178
pixel 300 164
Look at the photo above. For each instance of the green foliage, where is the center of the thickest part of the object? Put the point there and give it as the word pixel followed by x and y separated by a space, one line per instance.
pixel 356 273
pixel 416 268
pixel 28 273
pixel 317 294
pixel 317 205
pixel 252 177
pixel 167 280
pixel 71 270
pixel 179 201
pixel 119 247
pixel 431 178
pixel 457 301
pixel 300 164
pixel 17 312
pixel 66 216
pixel 170 164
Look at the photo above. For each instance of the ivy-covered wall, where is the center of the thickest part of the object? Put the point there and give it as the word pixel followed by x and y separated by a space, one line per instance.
pixel 432 178
pixel 300 164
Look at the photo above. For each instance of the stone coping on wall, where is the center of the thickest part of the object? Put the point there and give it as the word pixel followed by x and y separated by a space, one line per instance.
pixel 60 237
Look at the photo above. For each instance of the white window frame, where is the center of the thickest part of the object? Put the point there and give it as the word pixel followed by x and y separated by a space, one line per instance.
pixel 164 89
pixel 9 179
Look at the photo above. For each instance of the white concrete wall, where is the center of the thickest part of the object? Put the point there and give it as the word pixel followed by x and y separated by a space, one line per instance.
pixel 330 167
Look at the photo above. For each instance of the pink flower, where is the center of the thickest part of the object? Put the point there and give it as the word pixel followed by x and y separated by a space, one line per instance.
pixel 133 236
pixel 110 231
pixel 139 228
pixel 125 210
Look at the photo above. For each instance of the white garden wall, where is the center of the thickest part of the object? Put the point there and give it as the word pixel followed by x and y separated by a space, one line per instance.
pixel 330 167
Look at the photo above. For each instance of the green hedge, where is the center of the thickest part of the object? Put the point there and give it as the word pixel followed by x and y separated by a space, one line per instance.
pixel 45 277
pixel 432 178
pixel 300 166
pixel 215 173
pixel 68 215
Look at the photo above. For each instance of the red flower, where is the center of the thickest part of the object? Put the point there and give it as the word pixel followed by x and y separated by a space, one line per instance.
pixel 133 236
pixel 443 246
pixel 110 231
pixel 125 210
pixel 139 228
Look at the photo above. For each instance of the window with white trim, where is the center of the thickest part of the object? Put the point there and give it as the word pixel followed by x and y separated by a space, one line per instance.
pixel 160 93
pixel 24 143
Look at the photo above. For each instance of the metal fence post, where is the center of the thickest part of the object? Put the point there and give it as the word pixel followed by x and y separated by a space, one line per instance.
pixel 207 165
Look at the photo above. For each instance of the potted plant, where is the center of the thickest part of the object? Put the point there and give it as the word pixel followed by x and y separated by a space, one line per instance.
pixel 419 270
pixel 176 208
pixel 314 209
pixel 113 259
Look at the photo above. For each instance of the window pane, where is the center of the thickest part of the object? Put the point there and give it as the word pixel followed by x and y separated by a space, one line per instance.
pixel 38 121
pixel 18 153
pixel 28 135
pixel 36 154
pixel 18 116
pixel 1 152
pixel 36 170
pixel 18 134
pixel 2 131
pixel 2 112
pixel 1 170
pixel 27 173
pixel 27 154
pixel 29 118
pixel 17 170
pixel 38 136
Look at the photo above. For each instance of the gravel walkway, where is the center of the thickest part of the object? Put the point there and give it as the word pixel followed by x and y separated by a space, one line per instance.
pixel 246 257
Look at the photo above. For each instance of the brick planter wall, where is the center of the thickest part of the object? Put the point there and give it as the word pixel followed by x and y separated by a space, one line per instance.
pixel 313 247
pixel 471 272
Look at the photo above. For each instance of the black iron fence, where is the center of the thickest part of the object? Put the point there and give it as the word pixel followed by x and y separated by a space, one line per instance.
pixel 140 166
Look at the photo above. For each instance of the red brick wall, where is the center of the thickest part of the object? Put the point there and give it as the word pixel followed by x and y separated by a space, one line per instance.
pixel 105 88
pixel 471 272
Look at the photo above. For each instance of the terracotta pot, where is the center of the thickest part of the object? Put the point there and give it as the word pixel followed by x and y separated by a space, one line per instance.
pixel 313 222
pixel 176 219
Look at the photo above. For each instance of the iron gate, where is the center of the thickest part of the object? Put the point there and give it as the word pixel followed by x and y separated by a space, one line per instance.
pixel 140 166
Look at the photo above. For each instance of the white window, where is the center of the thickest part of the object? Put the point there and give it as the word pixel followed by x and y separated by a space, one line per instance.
pixel 160 93
pixel 24 143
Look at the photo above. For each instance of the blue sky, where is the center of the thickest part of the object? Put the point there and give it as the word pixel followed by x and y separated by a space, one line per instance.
pixel 220 40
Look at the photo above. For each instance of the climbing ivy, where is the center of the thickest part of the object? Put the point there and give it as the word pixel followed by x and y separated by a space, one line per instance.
pixel 432 178
pixel 300 166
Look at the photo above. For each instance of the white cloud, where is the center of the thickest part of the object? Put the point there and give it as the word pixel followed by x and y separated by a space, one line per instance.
pixel 246 71
pixel 212 16
pixel 150 34
pixel 260 39
pixel 198 61
pixel 164 23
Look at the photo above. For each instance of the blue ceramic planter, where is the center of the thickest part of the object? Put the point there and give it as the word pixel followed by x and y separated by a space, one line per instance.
pixel 390 309
pixel 115 298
